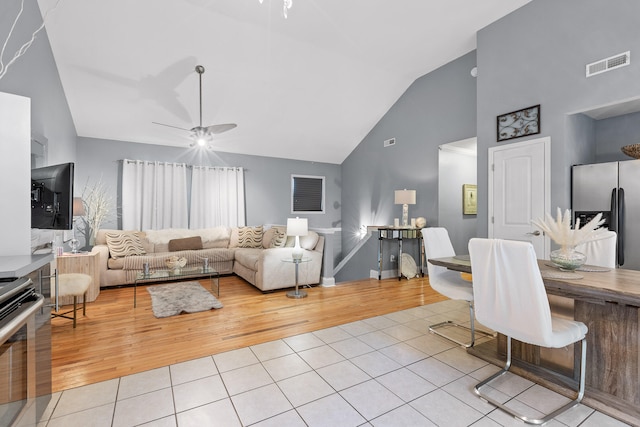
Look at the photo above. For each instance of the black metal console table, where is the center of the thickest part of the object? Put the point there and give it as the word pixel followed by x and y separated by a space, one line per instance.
pixel 399 234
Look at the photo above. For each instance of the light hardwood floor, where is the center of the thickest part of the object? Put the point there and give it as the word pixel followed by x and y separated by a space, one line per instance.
pixel 115 339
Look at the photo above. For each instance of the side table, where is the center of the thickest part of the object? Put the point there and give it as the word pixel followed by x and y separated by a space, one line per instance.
pixel 399 234
pixel 82 262
pixel 297 293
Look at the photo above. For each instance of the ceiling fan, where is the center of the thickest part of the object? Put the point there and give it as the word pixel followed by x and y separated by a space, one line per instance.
pixel 201 135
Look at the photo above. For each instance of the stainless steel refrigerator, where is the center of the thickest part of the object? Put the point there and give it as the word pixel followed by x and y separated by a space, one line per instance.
pixel 614 189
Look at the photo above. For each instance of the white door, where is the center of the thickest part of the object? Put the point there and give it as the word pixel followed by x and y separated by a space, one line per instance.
pixel 519 191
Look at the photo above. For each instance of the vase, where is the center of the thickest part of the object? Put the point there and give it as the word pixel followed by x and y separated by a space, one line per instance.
pixel 567 258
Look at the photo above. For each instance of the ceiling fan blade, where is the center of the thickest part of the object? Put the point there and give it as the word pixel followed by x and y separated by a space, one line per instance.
pixel 214 129
pixel 171 126
pixel 199 132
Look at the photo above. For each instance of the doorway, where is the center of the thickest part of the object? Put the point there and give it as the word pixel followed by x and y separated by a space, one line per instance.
pixel 457 166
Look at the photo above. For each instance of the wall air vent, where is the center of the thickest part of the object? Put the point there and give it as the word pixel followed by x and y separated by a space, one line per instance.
pixel 609 64
pixel 389 142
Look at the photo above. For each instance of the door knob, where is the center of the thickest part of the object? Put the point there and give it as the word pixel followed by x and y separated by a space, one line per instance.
pixel 534 233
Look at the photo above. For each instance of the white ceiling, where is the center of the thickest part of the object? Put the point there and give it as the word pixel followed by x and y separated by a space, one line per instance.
pixel 309 87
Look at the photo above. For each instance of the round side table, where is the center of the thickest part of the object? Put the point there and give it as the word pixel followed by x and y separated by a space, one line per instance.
pixel 297 293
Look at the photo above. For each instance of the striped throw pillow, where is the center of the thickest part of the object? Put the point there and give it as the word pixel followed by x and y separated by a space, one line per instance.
pixel 279 239
pixel 124 244
pixel 250 237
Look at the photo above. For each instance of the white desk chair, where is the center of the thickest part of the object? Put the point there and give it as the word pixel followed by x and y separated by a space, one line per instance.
pixel 447 282
pixel 510 298
pixel 601 252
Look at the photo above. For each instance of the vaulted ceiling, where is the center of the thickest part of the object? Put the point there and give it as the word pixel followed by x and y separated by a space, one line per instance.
pixel 309 87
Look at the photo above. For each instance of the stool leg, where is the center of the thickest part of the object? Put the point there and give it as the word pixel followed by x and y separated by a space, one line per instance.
pixel 84 304
pixel 75 307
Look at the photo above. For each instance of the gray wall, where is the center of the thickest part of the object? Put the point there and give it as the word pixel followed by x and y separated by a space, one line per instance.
pixel 267 180
pixel 537 55
pixel 614 133
pixel 35 76
pixel 437 108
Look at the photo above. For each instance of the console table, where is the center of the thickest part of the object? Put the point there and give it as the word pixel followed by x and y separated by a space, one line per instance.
pixel 399 234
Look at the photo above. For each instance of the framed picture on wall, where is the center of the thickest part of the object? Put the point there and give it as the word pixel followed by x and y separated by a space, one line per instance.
pixel 519 123
pixel 469 199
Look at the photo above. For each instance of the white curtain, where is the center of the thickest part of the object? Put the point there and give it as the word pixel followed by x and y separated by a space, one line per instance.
pixel 217 197
pixel 154 195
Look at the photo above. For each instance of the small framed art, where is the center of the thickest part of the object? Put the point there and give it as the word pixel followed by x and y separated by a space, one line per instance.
pixel 519 123
pixel 469 199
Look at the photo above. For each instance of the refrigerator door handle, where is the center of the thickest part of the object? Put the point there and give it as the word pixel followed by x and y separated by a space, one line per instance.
pixel 613 219
pixel 621 226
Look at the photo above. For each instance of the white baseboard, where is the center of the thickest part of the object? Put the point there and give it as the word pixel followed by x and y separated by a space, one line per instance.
pixel 328 282
pixel 386 274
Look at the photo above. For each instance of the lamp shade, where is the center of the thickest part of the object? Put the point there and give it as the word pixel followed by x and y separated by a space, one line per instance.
pixel 297 226
pixel 78 206
pixel 405 197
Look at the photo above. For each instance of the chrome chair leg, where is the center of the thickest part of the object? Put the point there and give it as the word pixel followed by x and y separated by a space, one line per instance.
pixel 434 329
pixel 548 417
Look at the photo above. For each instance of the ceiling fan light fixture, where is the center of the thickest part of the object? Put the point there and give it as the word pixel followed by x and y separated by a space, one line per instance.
pixel 200 137
pixel 203 135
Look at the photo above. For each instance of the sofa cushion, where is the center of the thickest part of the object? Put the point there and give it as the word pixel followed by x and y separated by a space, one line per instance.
pixel 246 237
pixel 123 244
pixel 185 244
pixel 248 257
pixel 214 234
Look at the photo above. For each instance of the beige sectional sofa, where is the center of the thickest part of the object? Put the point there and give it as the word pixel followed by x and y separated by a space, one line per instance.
pixel 256 254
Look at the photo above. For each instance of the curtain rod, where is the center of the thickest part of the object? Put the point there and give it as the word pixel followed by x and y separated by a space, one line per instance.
pixel 183 164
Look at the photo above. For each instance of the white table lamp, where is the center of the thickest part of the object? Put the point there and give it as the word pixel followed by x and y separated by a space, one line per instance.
pixel 297 227
pixel 405 198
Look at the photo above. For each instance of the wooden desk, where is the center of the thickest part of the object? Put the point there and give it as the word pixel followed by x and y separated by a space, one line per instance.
pixel 87 263
pixel 608 303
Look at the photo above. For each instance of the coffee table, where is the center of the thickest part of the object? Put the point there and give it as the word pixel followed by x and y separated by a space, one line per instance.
pixel 166 275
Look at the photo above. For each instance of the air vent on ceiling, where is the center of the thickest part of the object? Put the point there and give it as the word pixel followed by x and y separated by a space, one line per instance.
pixel 390 142
pixel 609 64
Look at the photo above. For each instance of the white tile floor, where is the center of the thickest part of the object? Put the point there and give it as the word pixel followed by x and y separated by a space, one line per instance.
pixel 384 371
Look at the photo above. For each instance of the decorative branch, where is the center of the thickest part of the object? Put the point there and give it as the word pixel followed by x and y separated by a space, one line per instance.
pixel 559 230
pixel 97 204
pixel 23 49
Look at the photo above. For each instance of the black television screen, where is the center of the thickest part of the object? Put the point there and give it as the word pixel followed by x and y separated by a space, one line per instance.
pixel 52 197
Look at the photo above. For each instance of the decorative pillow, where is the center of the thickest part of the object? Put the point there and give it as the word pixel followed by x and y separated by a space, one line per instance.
pixel 250 237
pixel 124 244
pixel 279 239
pixel 309 241
pixel 185 244
pixel 267 236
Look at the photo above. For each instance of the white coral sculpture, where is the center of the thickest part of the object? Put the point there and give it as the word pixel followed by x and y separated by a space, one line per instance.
pixel 560 231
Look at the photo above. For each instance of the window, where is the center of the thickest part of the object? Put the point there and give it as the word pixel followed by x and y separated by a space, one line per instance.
pixel 307 194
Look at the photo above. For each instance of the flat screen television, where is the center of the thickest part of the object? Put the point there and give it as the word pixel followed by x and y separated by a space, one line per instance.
pixel 52 197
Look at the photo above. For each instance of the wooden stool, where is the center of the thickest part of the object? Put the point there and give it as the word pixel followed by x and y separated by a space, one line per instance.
pixel 73 284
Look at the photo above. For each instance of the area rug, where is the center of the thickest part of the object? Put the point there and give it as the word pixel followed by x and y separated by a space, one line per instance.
pixel 175 298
